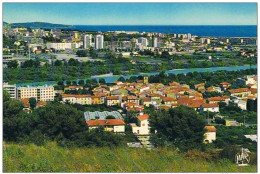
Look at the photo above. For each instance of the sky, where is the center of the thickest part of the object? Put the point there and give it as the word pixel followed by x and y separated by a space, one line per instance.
pixel 132 13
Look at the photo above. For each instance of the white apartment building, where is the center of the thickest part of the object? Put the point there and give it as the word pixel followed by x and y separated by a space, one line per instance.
pixel 40 93
pixel 87 41
pixel 59 46
pixel 189 36
pixel 99 41
pixel 155 40
pixel 143 41
pixel 80 99
pixel 11 89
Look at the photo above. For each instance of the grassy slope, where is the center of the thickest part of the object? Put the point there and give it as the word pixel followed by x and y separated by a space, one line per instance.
pixel 52 158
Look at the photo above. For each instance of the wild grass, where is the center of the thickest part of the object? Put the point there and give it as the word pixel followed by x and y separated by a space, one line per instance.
pixel 53 158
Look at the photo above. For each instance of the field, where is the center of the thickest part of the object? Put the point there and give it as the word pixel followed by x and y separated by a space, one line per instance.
pixel 52 158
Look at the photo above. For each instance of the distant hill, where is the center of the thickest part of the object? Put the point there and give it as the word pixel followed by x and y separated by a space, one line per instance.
pixel 5 23
pixel 39 25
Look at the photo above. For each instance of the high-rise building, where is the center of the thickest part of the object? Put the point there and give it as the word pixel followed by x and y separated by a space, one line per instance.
pixel 189 36
pixel 155 42
pixel 208 41
pixel 87 41
pixel 143 41
pixel 99 41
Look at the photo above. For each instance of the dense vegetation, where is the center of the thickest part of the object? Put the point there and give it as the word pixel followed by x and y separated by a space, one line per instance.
pixel 181 126
pixel 53 158
pixel 39 69
pixel 62 123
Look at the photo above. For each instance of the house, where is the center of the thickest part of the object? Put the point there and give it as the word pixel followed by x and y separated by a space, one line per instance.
pixel 212 107
pixel 225 85
pixel 80 99
pixel 225 99
pixel 142 127
pixel 169 100
pixel 210 134
pixel 112 125
pixel 241 92
pixel 96 100
pixel 132 98
pixel 146 101
pixel 231 122
pixel 112 100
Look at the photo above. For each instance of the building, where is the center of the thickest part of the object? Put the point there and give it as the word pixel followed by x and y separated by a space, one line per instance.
pixel 112 125
pixel 210 134
pixel 80 99
pixel 40 93
pixel 211 107
pixel 189 36
pixel 155 40
pixel 97 119
pixel 112 100
pixel 231 122
pixel 87 41
pixel 11 89
pixel 143 41
pixel 142 127
pixel 99 41
pixel 59 46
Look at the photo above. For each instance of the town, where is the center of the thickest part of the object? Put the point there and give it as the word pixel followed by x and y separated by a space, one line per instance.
pixel 129 87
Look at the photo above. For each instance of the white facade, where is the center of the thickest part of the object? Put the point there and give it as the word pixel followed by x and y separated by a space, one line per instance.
pixel 59 46
pixel 209 137
pixel 99 41
pixel 40 93
pixel 87 41
pixel 119 128
pixel 189 36
pixel 212 109
pixel 143 41
pixel 11 89
pixel 155 40
pixel 142 128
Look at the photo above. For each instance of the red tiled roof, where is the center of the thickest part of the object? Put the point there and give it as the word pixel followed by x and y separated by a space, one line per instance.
pixel 108 122
pixel 131 97
pixel 112 98
pixel 238 90
pixel 253 90
pixel 210 128
pixel 210 105
pixel 74 87
pixel 168 99
pixel 143 117
pixel 146 99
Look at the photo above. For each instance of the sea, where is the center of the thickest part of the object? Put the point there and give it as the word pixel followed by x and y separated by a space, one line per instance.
pixel 200 30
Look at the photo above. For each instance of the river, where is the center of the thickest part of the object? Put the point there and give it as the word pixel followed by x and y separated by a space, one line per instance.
pixel 111 78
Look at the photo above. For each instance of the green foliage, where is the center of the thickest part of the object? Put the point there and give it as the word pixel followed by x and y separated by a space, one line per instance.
pixel 32 102
pixel 234 136
pixel 181 126
pixel 53 158
pixel 12 64
pixel 110 117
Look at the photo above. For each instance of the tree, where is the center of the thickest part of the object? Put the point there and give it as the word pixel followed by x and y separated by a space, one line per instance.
pixel 12 64
pixel 122 79
pixel 58 63
pixel 81 82
pixel 181 126
pixel 102 81
pixel 32 102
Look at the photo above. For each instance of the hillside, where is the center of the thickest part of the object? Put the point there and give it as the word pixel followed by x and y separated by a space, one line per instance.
pixel 52 158
pixel 39 25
